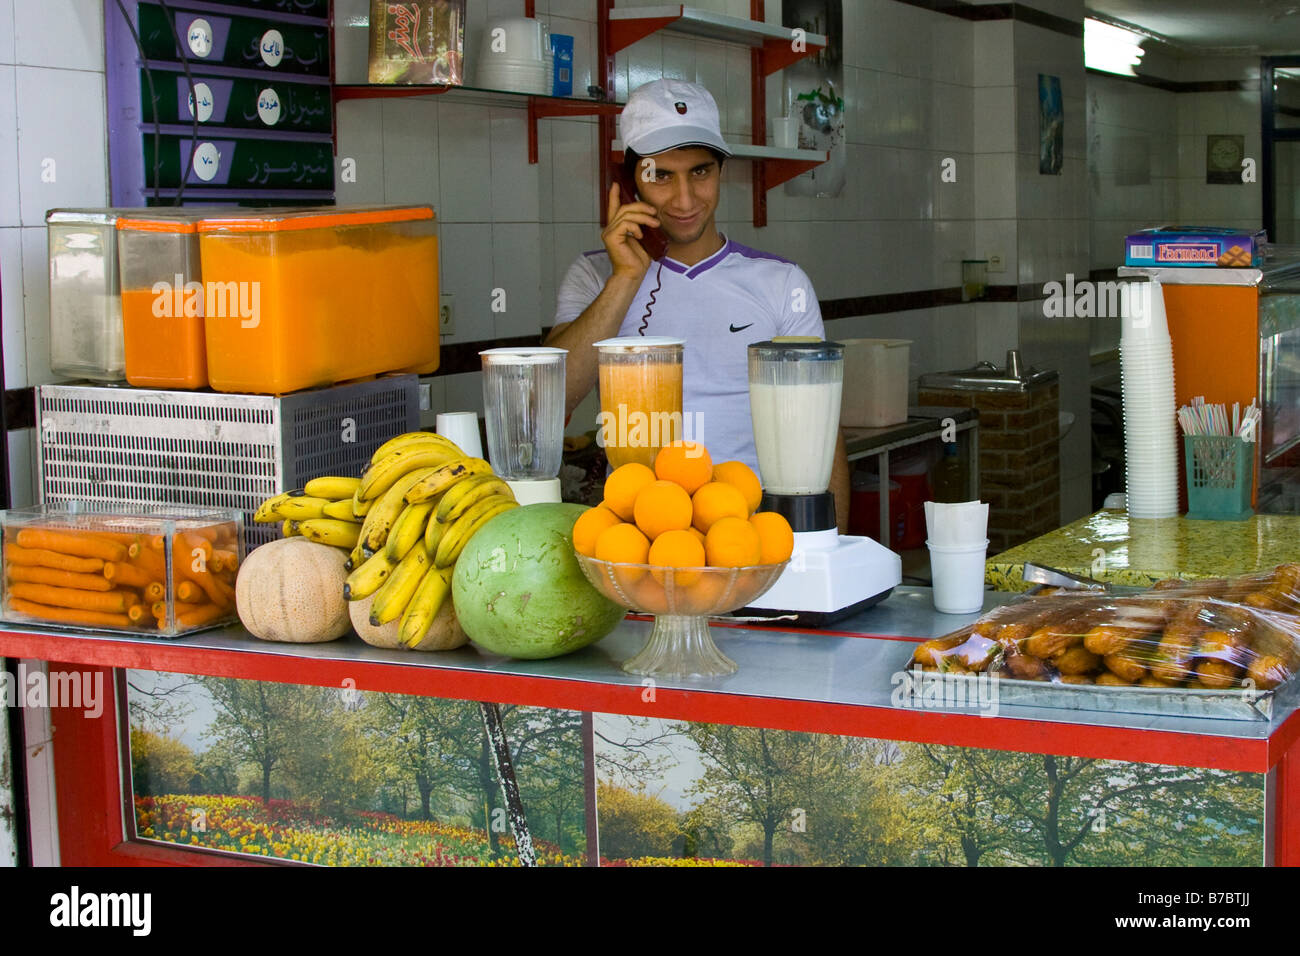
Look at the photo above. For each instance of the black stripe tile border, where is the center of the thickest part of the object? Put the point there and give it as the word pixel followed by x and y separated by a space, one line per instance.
pixel 1000 11
pixel 1189 86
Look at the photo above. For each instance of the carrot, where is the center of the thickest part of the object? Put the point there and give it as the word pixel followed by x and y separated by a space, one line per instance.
pixel 191 593
pixel 81 543
pixel 136 613
pixel 124 574
pixel 215 591
pixel 223 560
pixel 156 543
pixel 64 615
pixel 52 559
pixel 155 591
pixel 190 543
pixel 151 562
pixel 112 602
pixel 204 614
pixel 209 534
pixel 36 574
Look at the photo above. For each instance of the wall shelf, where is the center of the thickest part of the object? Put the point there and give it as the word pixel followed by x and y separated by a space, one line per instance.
pixel 635 23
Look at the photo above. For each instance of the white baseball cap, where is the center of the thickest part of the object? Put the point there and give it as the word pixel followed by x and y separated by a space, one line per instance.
pixel 665 114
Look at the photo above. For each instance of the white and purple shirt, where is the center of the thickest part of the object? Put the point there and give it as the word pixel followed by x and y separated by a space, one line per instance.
pixel 719 306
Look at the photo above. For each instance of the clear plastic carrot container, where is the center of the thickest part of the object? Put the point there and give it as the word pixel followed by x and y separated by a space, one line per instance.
pixel 162 300
pixel 300 298
pixel 163 572
pixel 85 310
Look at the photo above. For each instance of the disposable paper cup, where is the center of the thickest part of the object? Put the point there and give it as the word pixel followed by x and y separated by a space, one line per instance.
pixel 462 428
pixel 958 575
pixel 785 132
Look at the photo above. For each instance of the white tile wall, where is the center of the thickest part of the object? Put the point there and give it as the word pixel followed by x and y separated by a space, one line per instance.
pixel 11 307
pixel 7 44
pixel 59 111
pixel 361 141
pixel 68 34
pixel 9 208
pixel 411 163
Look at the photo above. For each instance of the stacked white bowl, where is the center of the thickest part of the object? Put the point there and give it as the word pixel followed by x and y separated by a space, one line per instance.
pixel 515 56
pixel 1150 432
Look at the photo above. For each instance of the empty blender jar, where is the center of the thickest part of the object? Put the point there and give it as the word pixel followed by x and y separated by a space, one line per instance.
pixel 523 407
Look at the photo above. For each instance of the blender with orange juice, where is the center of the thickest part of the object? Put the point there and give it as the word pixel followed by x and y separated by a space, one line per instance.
pixel 640 397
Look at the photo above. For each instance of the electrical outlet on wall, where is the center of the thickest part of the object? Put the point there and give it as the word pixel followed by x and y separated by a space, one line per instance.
pixel 446 315
pixel 996 263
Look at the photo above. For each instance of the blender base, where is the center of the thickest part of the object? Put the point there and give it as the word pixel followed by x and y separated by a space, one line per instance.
pixel 824 584
pixel 532 491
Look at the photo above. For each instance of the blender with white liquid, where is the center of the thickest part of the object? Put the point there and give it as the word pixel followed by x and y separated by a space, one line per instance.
pixel 794 400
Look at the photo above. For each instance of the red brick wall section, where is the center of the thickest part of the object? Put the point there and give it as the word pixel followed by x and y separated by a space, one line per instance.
pixel 1020 459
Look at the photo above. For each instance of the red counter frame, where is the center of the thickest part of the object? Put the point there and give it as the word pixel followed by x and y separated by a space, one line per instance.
pixel 90 782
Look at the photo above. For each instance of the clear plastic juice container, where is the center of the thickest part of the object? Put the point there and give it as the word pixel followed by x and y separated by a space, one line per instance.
pixel 299 298
pixel 640 397
pixel 162 300
pixel 85 310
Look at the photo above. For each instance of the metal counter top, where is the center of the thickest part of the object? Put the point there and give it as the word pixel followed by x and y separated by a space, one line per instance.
pixel 841 680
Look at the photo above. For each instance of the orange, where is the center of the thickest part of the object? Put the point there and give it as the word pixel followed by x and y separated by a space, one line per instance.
pixel 588 528
pixel 623 485
pixel 741 476
pixel 662 506
pixel 677 549
pixel 623 544
pixel 685 462
pixel 731 543
pixel 648 595
pixel 699 535
pixel 775 537
pixel 715 500
pixel 703 596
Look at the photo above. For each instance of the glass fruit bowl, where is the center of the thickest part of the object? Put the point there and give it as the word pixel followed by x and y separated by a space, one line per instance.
pixel 682 600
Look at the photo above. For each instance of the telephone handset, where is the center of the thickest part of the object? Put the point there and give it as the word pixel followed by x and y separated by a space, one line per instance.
pixel 653 241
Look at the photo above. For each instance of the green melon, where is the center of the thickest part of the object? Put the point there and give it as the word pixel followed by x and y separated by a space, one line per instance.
pixel 519 591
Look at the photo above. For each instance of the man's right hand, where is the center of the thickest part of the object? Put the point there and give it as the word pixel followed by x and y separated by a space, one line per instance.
pixel 626 254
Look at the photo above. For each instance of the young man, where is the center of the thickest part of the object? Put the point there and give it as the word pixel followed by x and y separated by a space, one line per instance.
pixel 714 293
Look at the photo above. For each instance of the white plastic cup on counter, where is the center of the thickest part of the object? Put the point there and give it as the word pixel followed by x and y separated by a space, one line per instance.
pixel 462 428
pixel 958 576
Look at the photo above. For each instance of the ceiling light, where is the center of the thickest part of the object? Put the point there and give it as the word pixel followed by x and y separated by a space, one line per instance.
pixel 1110 48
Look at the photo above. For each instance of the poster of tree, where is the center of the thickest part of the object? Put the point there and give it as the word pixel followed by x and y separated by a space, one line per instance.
pixel 337 776
pixel 710 794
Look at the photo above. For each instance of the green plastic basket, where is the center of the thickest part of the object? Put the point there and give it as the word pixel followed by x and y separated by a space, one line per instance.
pixel 1220 469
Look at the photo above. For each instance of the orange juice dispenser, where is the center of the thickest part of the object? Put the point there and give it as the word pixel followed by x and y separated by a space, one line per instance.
pixel 640 381
pixel 299 298
pixel 1236 338
pixel 162 299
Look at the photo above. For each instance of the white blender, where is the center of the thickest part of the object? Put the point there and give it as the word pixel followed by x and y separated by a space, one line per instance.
pixel 523 405
pixel 794 398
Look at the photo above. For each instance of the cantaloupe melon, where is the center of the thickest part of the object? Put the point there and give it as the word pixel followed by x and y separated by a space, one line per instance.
pixel 444 633
pixel 292 590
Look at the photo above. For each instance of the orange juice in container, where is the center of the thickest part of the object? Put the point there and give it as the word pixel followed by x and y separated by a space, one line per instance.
pixel 299 298
pixel 640 397
pixel 162 299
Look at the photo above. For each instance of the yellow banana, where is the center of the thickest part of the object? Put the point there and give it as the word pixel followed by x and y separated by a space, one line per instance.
pixel 361 507
pixel 434 589
pixel 382 514
pixel 457 535
pixel 333 487
pixel 356 558
pixel 368 578
pixel 302 507
pixel 413 438
pixel 408 530
pixel 396 593
pixel 341 510
pixel 267 510
pixel 289 528
pixel 445 476
pixel 331 531
pixel 469 493
pixel 433 532
pixel 380 476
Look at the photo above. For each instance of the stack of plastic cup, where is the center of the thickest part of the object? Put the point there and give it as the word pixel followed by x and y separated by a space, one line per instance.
pixel 958 543
pixel 1150 419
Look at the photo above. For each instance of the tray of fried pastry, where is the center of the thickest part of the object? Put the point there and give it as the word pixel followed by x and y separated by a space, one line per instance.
pixel 1219 648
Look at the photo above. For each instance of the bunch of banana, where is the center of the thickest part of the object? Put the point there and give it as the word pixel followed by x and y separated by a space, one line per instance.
pixel 423 499
pixel 320 511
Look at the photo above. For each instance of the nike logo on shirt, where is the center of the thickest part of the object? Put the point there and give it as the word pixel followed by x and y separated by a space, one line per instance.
pixel 739 328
